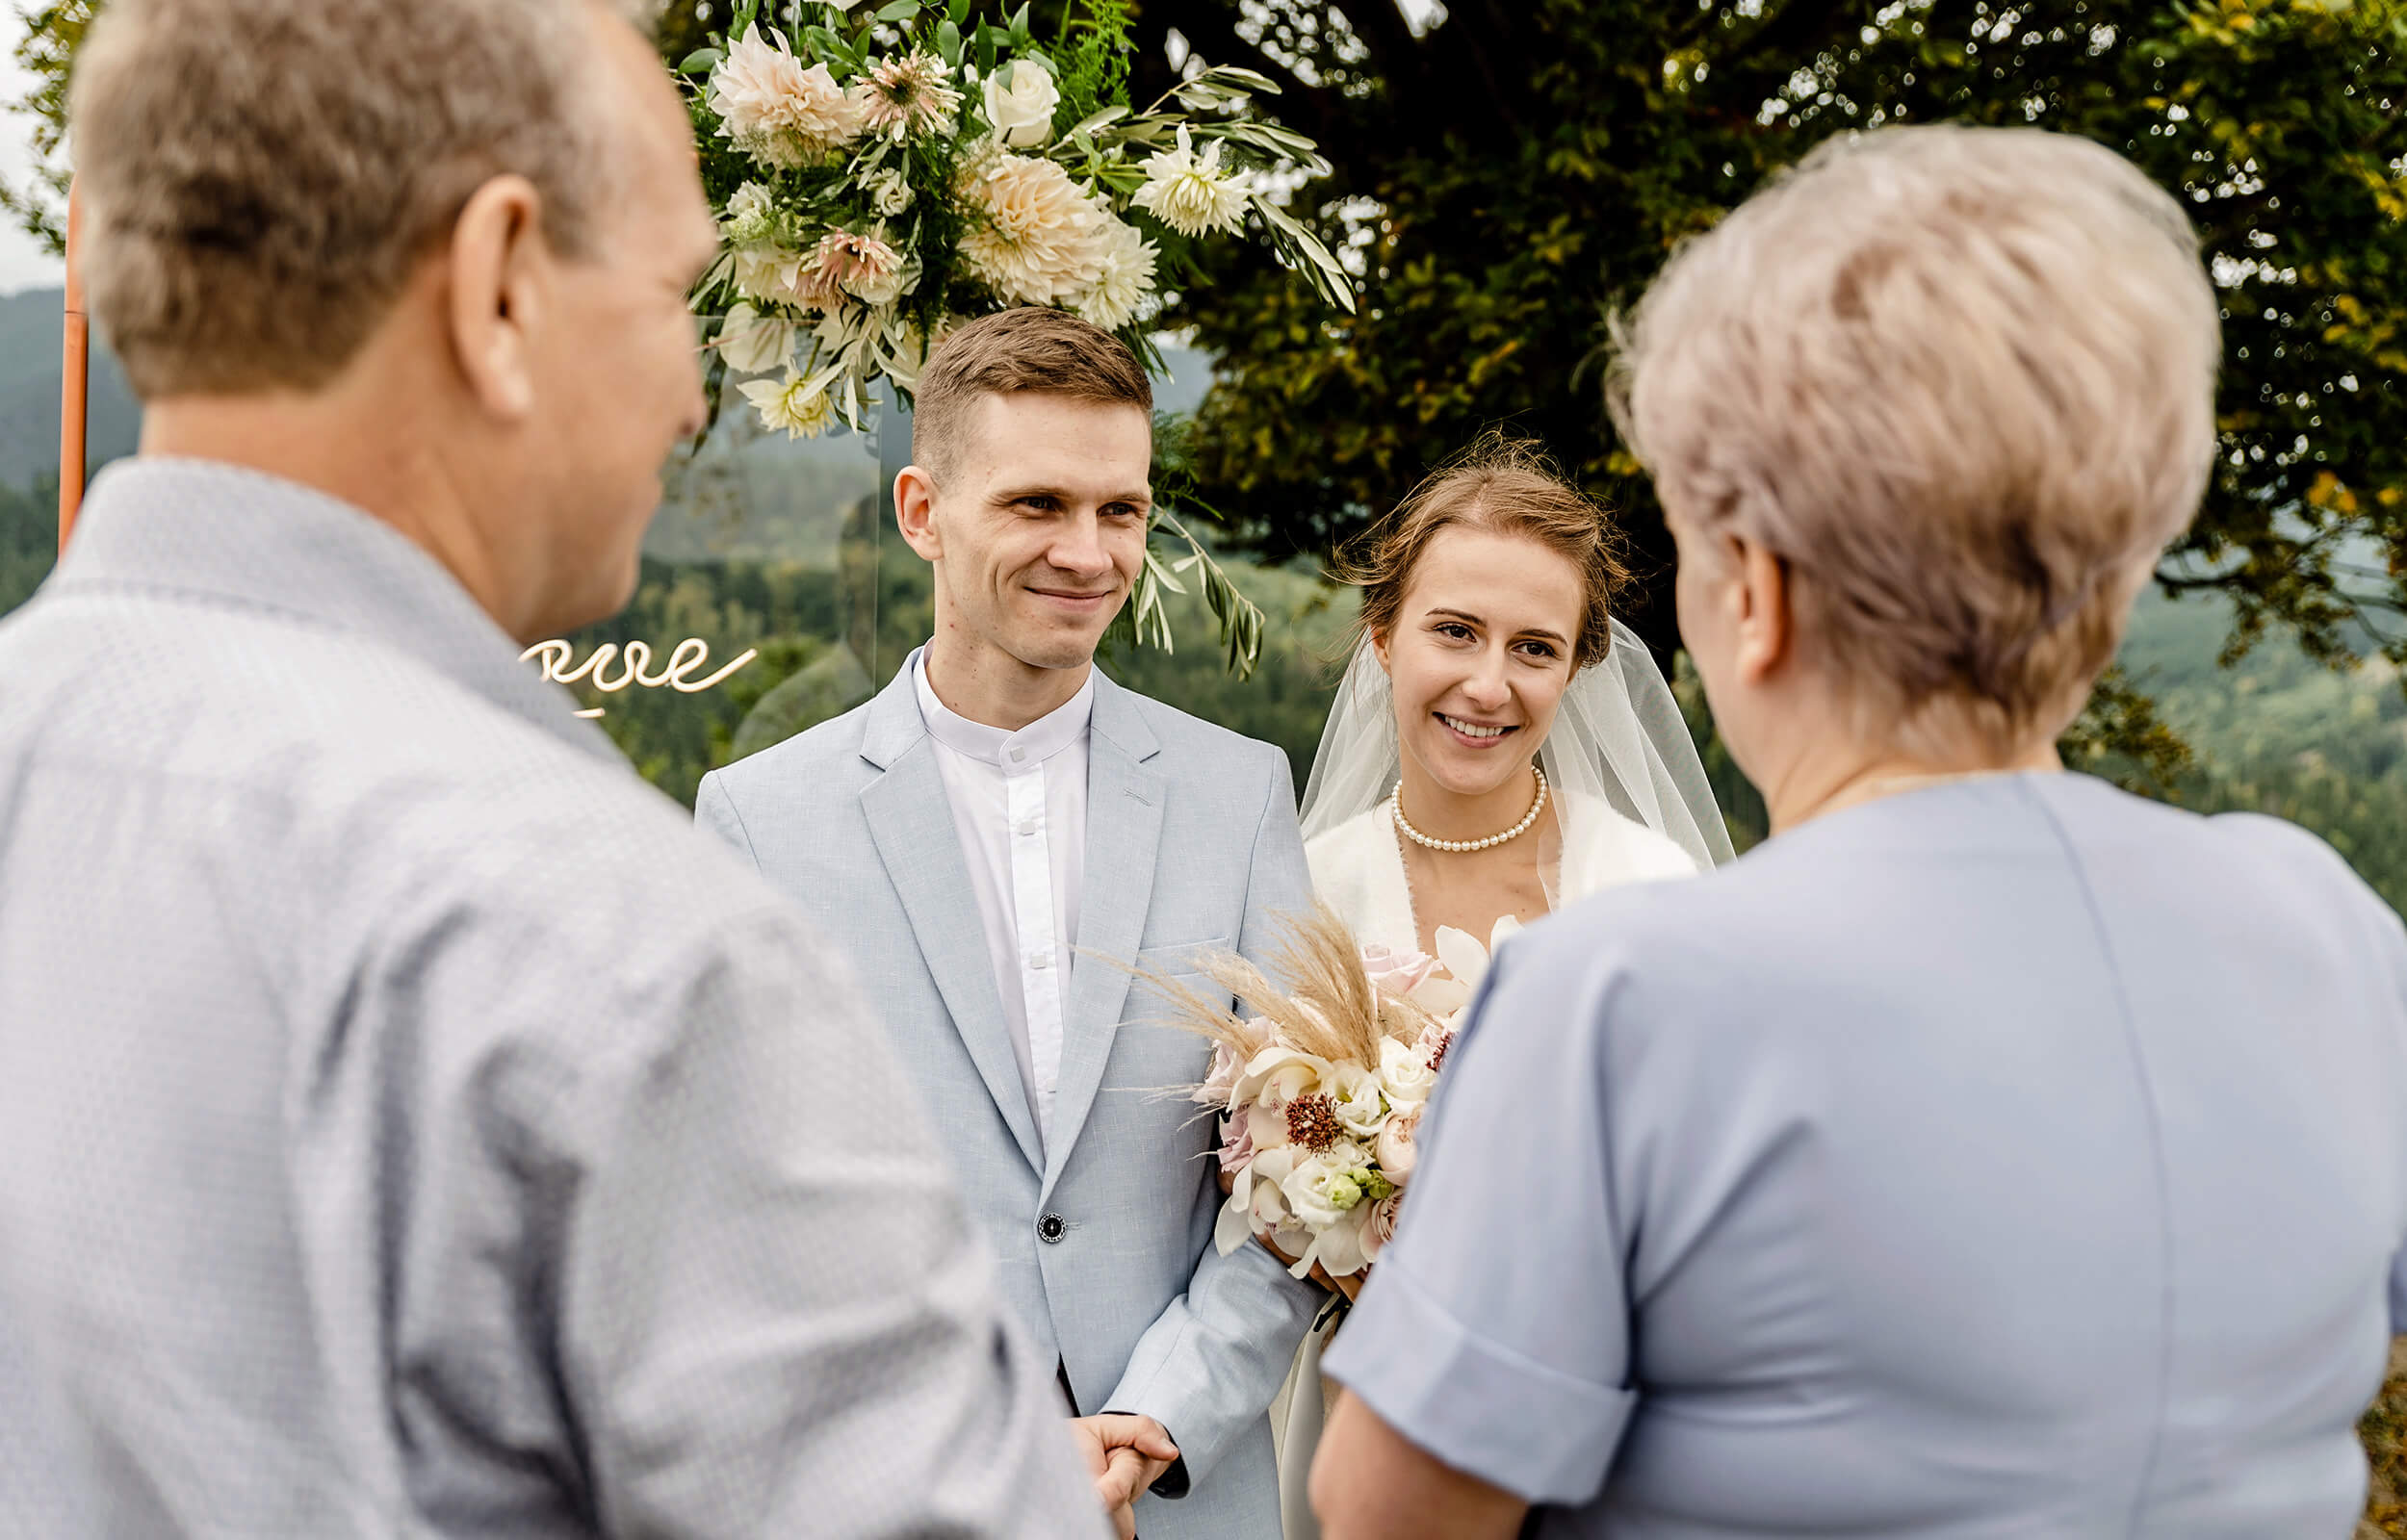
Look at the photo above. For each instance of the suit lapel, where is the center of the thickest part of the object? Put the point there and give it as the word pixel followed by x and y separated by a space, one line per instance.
pixel 1123 830
pixel 911 820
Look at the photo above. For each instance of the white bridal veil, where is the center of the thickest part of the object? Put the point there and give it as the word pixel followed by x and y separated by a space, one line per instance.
pixel 1618 735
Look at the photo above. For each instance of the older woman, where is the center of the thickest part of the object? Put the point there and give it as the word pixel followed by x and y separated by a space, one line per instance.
pixel 1992 1153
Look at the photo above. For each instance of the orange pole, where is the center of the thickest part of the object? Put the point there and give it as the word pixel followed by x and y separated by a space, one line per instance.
pixel 74 381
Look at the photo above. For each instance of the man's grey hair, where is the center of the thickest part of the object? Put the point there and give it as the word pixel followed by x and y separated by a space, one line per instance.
pixel 261 177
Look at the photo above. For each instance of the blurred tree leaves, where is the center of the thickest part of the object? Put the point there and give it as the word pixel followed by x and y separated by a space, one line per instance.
pixel 1506 177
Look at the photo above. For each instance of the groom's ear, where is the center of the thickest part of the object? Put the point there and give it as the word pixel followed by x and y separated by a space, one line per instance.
pixel 915 512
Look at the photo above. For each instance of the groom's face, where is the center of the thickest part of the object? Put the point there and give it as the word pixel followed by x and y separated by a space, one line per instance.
pixel 1039 528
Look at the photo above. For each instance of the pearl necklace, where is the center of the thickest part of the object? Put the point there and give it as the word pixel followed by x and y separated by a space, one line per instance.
pixel 1538 805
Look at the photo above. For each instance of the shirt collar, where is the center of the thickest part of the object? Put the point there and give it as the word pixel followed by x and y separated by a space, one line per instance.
pixel 1032 745
pixel 224 532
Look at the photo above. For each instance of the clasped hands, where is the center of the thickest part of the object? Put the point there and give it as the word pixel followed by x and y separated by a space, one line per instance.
pixel 1124 1454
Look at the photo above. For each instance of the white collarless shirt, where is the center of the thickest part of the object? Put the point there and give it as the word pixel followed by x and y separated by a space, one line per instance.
pixel 1018 802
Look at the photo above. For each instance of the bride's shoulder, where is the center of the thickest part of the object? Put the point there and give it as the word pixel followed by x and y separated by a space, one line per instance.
pixel 1344 850
pixel 1613 847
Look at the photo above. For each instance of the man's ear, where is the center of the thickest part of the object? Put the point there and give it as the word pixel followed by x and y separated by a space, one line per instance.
pixel 915 512
pixel 1762 591
pixel 498 269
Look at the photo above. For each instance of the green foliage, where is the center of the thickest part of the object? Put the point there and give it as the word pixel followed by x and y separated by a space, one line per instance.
pixel 29 539
pixel 52 34
pixel 1506 180
pixel 1092 68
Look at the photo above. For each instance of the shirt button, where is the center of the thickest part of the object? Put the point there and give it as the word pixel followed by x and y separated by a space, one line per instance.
pixel 1040 959
pixel 1018 755
pixel 1026 827
pixel 1050 1228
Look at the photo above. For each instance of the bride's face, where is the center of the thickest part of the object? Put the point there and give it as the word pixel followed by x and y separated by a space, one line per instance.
pixel 1481 655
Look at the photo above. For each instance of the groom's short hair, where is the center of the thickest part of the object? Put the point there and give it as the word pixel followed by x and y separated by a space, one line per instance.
pixel 1029 349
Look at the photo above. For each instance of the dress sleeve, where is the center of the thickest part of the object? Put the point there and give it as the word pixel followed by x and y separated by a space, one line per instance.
pixel 1494 1333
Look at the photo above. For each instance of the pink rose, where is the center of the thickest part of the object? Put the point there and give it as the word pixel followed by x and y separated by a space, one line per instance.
pixel 1379 1226
pixel 1228 1062
pixel 1236 1146
pixel 1397 973
pixel 1396 1149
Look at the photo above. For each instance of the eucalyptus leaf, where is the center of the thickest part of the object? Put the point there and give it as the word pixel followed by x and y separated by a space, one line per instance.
pixel 949 43
pixel 958 12
pixel 701 62
pixel 898 11
pixel 1100 120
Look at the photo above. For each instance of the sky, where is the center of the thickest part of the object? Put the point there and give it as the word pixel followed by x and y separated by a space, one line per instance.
pixel 24 264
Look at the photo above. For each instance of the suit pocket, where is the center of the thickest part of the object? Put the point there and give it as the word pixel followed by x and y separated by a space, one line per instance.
pixel 1175 958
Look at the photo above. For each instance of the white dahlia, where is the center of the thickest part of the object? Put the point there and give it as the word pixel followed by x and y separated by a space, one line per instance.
pixel 1037 238
pixel 861 266
pixel 799 407
pixel 1122 291
pixel 775 108
pixel 1189 192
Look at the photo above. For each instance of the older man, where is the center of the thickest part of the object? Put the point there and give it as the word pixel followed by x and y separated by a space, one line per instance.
pixel 407 1126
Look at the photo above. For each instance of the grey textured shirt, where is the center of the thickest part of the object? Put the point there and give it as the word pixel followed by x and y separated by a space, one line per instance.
pixel 2012 1158
pixel 408 1125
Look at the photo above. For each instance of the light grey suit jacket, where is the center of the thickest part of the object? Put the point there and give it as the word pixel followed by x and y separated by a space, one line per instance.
pixel 1191 845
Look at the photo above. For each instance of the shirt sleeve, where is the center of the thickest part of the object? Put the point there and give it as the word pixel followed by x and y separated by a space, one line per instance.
pixel 1494 1331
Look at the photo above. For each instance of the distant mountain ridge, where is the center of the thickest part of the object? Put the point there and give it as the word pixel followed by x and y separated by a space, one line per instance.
pixel 31 329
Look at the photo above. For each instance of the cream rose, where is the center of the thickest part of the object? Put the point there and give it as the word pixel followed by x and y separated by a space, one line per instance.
pixel 1396 1147
pixel 1320 1189
pixel 1020 101
pixel 1403 1070
pixel 1379 1225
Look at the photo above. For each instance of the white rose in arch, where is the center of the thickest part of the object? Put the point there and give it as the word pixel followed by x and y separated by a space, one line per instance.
pixel 1020 101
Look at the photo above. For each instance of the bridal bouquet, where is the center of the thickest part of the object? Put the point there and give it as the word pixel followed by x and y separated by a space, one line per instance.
pixel 882 173
pixel 1323 1088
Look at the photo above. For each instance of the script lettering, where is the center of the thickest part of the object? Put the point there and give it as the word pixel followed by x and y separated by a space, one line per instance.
pixel 635 666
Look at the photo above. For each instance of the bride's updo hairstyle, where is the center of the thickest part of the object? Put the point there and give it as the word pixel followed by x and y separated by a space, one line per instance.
pixel 1507 486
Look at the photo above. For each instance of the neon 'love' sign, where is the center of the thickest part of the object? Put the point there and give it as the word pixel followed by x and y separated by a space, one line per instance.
pixel 635 659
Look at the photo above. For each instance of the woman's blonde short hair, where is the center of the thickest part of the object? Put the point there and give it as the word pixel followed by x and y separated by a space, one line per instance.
pixel 260 177
pixel 1962 381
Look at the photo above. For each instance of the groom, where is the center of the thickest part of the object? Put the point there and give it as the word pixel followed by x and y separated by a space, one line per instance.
pixel 996 839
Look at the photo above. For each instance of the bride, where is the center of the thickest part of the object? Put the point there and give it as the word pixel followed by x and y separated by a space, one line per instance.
pixel 1500 747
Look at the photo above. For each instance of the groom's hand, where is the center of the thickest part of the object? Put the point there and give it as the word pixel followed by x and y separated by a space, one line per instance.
pixel 1124 1454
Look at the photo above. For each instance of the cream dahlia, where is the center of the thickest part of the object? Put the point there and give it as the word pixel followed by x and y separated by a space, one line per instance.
pixel 775 108
pixel 802 408
pixel 1122 290
pixel 1038 238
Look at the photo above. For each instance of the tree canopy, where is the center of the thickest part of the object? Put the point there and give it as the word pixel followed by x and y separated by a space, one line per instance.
pixel 1507 172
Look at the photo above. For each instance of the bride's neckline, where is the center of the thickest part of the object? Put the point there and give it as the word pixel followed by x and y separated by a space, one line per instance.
pixel 1394 843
